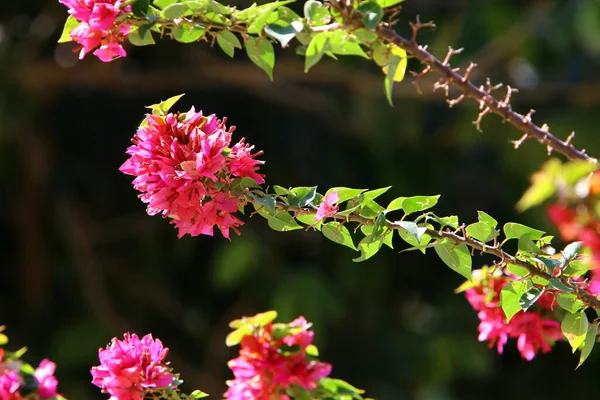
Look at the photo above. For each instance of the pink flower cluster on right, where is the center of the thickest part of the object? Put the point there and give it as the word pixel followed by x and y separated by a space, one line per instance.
pixel 132 367
pixel 182 163
pixel 533 332
pixel 263 372
pixel 97 28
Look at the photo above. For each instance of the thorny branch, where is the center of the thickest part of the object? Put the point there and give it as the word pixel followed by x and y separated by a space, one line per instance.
pixel 482 94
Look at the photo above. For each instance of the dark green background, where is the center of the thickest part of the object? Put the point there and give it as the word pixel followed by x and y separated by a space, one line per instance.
pixel 82 262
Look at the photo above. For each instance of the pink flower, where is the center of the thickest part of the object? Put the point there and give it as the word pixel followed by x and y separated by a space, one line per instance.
pixel 109 51
pixel 244 163
pixel 533 333
pixel 103 15
pixel 47 383
pixel 263 371
pixel 326 208
pixel 98 27
pixel 182 169
pixel 132 367
pixel 10 382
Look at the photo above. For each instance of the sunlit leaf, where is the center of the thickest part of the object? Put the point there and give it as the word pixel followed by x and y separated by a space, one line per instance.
pixel 575 327
pixel 260 52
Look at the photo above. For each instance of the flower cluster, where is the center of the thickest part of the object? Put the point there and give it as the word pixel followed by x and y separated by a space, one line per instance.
pixel 270 362
pixel 15 379
pixel 580 225
pixel 533 332
pixel 133 367
pixel 99 27
pixel 184 167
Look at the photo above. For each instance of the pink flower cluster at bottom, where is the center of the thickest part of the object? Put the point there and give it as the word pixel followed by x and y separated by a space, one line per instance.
pixel 533 332
pixel 131 367
pixel 97 28
pixel 262 372
pixel 11 380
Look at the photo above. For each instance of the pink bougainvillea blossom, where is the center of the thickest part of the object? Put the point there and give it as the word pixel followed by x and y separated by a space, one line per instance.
pixel 327 207
pixel 47 383
pixel 131 367
pixel 533 332
pixel 10 382
pixel 263 371
pixel 98 27
pixel 182 162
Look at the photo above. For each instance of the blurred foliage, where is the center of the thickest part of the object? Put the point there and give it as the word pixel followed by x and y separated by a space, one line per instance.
pixel 82 262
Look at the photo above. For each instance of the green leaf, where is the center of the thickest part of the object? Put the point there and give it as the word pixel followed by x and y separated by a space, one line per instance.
pixel 530 297
pixel 373 194
pixel 411 228
pixel 487 219
pixel 510 298
pixel 136 40
pixel 283 222
pixel 164 106
pixel 345 193
pixel 526 244
pixel 569 302
pixel 388 3
pixel 368 248
pixel 365 36
pixel 513 230
pixel 457 258
pixel 588 343
pixel 316 13
pixel 312 350
pixel 556 284
pixel 573 171
pixel 309 219
pixel 70 24
pixel 338 233
pixel 219 8
pixel 389 79
pixel 187 34
pixel 247 182
pixel 227 41
pixel 345 44
pixel 260 319
pixel 140 7
pixel 395 204
pixel 236 336
pixel 542 186
pixel 481 231
pixel 303 196
pixel 575 327
pixel 284 31
pixel 371 14
pixel 260 52
pixel 338 386
pixel 174 11
pixel 198 394
pixel 451 221
pixel 318 45
pixel 572 250
pixel 549 263
pixel 419 203
pixel 517 270
pixel 267 201
pixel 164 3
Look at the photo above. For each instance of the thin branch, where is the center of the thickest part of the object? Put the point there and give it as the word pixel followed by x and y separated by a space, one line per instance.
pixel 482 95
pixel 587 298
